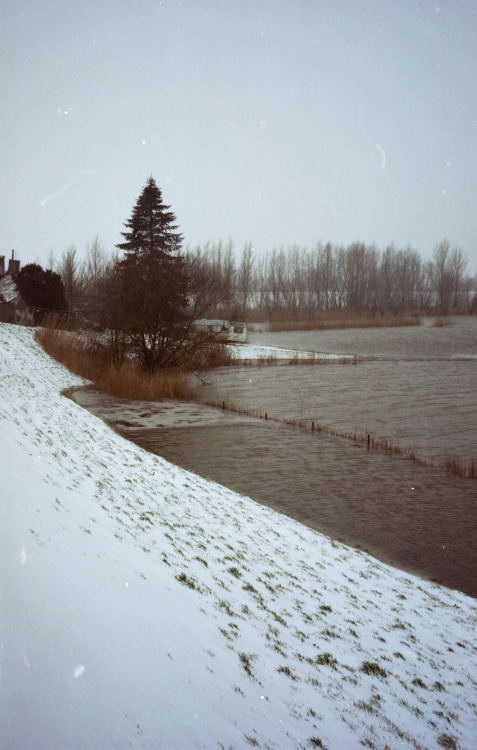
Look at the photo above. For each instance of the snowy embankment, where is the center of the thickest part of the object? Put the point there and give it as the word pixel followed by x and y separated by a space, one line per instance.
pixel 142 606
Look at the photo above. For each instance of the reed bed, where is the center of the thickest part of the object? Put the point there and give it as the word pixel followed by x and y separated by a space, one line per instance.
pixel 458 465
pixel 273 360
pixel 342 320
pixel 443 323
pixel 87 357
pixel 463 467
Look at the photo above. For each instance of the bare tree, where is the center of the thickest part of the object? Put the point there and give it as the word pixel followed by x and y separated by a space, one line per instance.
pixel 328 263
pixel 341 277
pixel 357 277
pixel 441 276
pixel 411 278
pixel 261 282
pixel 112 291
pixel 51 260
pixel 213 277
pixel 245 277
pixel 361 276
pixel 295 286
pixel 229 274
pixel 313 281
pixel 388 280
pixel 71 271
pixel 458 262
pixel 276 280
pixel 206 283
pixel 97 262
pixel 425 294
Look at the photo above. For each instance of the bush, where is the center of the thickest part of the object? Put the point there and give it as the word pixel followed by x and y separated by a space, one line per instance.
pixel 85 355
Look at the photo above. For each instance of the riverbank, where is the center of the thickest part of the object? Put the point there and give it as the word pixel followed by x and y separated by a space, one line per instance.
pixel 142 606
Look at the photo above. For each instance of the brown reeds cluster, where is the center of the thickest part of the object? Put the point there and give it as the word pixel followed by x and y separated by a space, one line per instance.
pixel 88 357
pixel 296 359
pixel 342 319
pixel 443 322
pixel 463 467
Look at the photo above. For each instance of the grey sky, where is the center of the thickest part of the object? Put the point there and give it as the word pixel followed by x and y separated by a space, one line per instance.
pixel 278 122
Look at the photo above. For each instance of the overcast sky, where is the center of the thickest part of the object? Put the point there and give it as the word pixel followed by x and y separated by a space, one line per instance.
pixel 275 121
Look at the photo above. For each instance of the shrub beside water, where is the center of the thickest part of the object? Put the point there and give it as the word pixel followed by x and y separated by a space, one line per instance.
pixel 86 356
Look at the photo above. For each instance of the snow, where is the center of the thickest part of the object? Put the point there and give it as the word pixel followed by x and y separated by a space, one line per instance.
pixel 250 352
pixel 8 289
pixel 142 606
pixel 131 415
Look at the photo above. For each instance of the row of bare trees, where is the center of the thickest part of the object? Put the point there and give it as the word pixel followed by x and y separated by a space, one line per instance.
pixel 83 278
pixel 358 278
pixel 295 281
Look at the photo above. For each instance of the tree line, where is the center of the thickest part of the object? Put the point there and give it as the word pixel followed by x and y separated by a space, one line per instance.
pixel 297 281
pixel 358 278
pixel 149 294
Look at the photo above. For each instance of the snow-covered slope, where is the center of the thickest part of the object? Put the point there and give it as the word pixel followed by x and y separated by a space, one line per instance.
pixel 144 607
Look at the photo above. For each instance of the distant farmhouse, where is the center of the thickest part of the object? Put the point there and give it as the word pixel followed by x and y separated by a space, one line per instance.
pixel 13 308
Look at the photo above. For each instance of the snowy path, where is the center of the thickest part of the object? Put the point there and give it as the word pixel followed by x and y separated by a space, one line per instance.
pixel 142 606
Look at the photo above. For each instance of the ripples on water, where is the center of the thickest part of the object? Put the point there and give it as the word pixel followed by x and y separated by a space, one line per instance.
pixel 418 390
pixel 427 407
pixel 402 512
pixel 416 386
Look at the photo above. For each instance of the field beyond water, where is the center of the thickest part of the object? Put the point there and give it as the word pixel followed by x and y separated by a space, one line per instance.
pixel 142 606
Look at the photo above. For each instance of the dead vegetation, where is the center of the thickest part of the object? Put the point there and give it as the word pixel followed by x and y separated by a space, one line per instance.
pixel 443 322
pixel 462 466
pixel 296 359
pixel 343 319
pixel 86 356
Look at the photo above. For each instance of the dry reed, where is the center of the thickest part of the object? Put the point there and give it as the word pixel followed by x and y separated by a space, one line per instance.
pixel 341 320
pixel 443 322
pixel 273 360
pixel 85 356
pixel 462 466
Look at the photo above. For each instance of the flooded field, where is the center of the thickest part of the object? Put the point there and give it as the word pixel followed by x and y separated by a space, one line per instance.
pixel 415 386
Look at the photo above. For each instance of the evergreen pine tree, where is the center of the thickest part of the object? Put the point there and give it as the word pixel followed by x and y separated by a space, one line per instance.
pixel 152 282
pixel 152 231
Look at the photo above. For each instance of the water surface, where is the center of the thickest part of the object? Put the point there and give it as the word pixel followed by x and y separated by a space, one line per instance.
pixel 416 387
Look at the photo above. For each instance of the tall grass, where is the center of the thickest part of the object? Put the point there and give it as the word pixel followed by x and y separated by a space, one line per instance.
pixel 463 467
pixel 84 355
pixel 342 319
pixel 296 359
pixel 443 323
